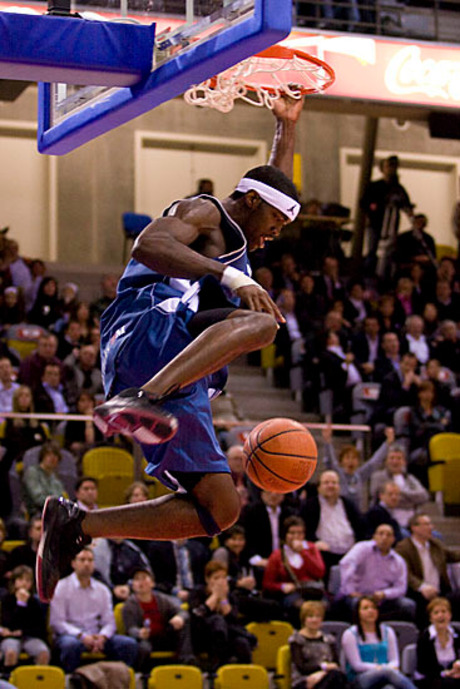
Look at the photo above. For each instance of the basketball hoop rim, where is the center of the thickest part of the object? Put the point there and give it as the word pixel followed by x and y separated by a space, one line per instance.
pixel 282 52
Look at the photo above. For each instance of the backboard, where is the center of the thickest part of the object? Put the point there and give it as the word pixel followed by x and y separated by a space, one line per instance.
pixel 204 38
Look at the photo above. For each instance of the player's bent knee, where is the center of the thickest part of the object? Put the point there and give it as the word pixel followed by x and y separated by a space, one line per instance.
pixel 262 329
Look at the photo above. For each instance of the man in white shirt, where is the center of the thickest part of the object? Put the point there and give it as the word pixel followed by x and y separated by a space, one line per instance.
pixel 86 490
pixel 81 617
pixel 416 340
pixel 373 567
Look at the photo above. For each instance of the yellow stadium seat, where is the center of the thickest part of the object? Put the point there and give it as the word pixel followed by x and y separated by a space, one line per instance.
pixel 38 677
pixel 112 488
pixel 107 461
pixel 270 637
pixel 8 546
pixel 283 668
pixel 443 250
pixel 175 677
pixel 242 677
pixel 444 479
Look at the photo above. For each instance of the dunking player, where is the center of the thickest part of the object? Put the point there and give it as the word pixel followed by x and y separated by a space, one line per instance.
pixel 172 328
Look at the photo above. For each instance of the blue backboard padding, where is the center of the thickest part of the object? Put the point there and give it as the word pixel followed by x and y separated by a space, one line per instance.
pixel 73 50
pixel 270 23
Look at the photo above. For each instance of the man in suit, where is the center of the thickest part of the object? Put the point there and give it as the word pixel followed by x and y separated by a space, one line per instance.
pixel 381 513
pixel 399 389
pixel 427 560
pixel 262 521
pixel 366 347
pixel 178 565
pixel 332 522
pixel 389 358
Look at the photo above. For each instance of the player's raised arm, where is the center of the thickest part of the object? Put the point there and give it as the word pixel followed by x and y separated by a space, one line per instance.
pixel 287 112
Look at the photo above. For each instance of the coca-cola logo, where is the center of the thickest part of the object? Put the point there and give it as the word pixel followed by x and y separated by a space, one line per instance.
pixel 408 73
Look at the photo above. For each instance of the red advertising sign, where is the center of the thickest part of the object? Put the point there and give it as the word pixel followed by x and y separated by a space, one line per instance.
pixel 398 71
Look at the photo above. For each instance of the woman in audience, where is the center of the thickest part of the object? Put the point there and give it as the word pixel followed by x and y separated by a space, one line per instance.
pixel 23 626
pixel 19 435
pixel 46 310
pixel 295 572
pixel 313 653
pixel 80 436
pixel 438 649
pixel 354 475
pixel 233 555
pixel 81 313
pixel 425 420
pixel 371 651
pixel 216 627
pixel 41 480
pixel 138 491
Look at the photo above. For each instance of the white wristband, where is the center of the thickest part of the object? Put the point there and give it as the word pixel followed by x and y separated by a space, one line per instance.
pixel 234 279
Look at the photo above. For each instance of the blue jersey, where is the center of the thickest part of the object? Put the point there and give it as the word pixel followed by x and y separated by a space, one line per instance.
pixel 143 330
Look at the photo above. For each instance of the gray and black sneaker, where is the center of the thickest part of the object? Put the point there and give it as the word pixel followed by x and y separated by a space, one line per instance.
pixel 136 414
pixel 62 538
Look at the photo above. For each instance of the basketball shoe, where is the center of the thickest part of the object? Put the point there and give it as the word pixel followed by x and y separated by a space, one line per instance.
pixel 137 414
pixel 62 538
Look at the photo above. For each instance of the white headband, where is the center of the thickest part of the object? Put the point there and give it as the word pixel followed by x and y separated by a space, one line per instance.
pixel 284 203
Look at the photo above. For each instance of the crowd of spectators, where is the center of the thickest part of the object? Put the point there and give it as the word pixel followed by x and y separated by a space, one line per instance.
pixel 357 547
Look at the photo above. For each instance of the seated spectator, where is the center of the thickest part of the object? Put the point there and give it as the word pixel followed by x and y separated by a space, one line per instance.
pixel 82 371
pixel 415 339
pixel 310 306
pixel 216 628
pixel 5 565
pixel 332 522
pixel 447 346
pixel 12 310
pixel 20 272
pixel 426 558
pixel 41 480
pixel 371 650
pixel 404 302
pixel 138 491
pixel 46 310
pixel 412 493
pixel 178 565
pixel 70 339
pixel 352 474
pixel 68 300
pixel 32 367
pixel 109 292
pixel 386 314
pixel 426 419
pixel 366 347
pixel 382 511
pixel 289 339
pixel 314 661
pixel 157 621
pixel 295 572
pixel 81 618
pixel 388 359
pixel 340 375
pixel 430 320
pixel 328 284
pixel 438 649
pixel 243 584
pixel 86 489
pixel 19 435
pixel 7 384
pixel 23 625
pixel 263 521
pixel 443 380
pixel 447 302
pixel 286 275
pixel 415 245
pixel 420 276
pixel 374 568
pixel 114 561
pixel 26 554
pixel 50 395
pixel 356 307
pixel 264 277
pixel 399 389
pixel 37 272
pixel 80 436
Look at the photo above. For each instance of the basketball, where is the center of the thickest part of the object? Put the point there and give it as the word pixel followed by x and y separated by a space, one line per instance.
pixel 280 455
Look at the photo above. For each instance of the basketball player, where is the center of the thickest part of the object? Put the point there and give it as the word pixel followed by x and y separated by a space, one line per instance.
pixel 173 326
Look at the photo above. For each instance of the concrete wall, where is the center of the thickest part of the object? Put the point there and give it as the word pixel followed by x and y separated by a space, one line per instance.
pixel 96 182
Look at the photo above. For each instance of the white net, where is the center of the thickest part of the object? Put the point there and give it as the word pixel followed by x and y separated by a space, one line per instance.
pixel 260 81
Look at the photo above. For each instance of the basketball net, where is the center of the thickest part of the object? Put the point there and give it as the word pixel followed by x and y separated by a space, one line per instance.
pixel 263 79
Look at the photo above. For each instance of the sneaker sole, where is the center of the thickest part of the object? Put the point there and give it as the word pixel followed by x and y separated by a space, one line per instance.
pixel 126 423
pixel 47 524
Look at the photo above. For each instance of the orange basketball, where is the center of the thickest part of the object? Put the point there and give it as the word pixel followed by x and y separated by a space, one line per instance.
pixel 280 455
